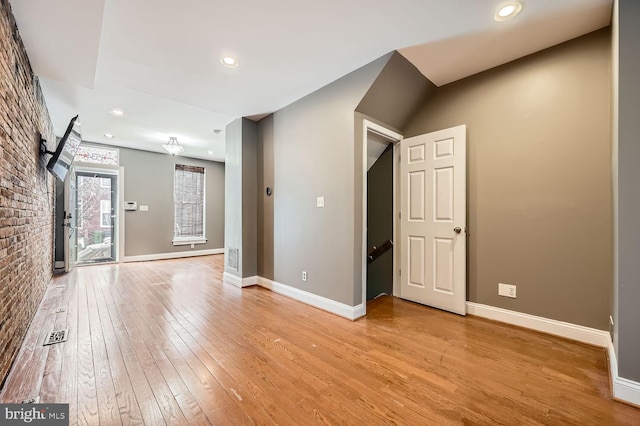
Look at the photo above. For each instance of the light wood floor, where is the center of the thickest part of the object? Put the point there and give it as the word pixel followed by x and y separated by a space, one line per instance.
pixel 167 343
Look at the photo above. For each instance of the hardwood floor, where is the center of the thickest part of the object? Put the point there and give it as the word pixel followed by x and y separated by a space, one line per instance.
pixel 166 342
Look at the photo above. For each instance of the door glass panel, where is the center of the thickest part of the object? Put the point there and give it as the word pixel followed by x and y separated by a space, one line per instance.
pixel 72 220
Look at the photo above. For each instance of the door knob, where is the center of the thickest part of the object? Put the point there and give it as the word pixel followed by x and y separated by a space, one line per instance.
pixel 457 230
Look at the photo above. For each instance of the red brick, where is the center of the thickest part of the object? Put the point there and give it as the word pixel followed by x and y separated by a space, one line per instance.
pixel 26 193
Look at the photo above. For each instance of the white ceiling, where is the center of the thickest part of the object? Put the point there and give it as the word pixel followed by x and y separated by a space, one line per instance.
pixel 158 60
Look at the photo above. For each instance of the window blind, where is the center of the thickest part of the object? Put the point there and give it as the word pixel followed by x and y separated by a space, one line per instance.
pixel 188 200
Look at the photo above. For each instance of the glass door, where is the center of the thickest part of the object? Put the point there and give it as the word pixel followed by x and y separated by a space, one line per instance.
pixel 95 236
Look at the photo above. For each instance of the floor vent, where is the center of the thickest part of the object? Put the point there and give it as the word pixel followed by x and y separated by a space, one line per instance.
pixel 32 400
pixel 60 310
pixel 57 336
pixel 232 258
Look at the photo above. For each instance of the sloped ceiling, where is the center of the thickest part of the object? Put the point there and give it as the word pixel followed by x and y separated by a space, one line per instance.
pixel 159 60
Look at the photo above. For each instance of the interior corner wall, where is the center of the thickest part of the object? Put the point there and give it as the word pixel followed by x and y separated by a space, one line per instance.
pixel 26 192
pixel 266 173
pixel 539 179
pixel 313 156
pixel 148 180
pixel 629 196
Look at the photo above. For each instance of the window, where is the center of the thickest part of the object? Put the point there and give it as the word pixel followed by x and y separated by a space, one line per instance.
pixel 189 205
pixel 91 154
pixel 105 213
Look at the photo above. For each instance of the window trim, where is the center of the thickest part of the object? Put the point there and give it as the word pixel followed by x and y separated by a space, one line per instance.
pixel 184 241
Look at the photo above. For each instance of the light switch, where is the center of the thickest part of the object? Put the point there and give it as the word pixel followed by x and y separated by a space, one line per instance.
pixel 320 202
pixel 144 208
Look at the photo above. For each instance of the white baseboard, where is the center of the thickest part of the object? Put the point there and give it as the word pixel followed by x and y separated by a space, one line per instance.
pixel 59 264
pixel 176 255
pixel 239 282
pixel 580 333
pixel 337 308
pixel 623 389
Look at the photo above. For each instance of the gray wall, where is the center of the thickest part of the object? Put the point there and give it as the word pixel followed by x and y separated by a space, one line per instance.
pixel 59 221
pixel 397 93
pixel 148 180
pixel 249 198
pixel 266 177
pixel 629 195
pixel 539 179
pixel 313 153
pixel 241 203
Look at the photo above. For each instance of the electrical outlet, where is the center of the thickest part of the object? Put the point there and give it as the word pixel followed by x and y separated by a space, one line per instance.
pixel 304 276
pixel 507 290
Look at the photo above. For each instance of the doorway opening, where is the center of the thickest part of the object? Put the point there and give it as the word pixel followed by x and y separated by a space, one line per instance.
pixel 380 157
pixel 93 235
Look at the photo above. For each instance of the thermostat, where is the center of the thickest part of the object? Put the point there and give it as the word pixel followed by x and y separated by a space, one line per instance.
pixel 130 206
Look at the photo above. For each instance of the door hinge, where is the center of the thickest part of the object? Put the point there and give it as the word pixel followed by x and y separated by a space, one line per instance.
pixel 400 272
pixel 400 215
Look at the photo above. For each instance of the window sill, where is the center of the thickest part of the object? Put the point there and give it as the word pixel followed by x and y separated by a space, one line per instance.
pixel 188 241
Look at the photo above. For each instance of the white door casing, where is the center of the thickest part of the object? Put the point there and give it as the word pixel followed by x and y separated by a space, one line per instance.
pixel 70 220
pixel 433 219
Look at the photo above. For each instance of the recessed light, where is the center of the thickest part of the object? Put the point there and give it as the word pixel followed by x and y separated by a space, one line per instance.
pixel 117 112
pixel 229 61
pixel 508 10
pixel 210 152
pixel 109 136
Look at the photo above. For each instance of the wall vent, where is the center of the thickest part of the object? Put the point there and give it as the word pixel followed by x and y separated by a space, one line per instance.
pixel 57 336
pixel 232 258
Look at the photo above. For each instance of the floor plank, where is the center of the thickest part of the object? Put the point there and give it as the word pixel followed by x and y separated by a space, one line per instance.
pixel 168 342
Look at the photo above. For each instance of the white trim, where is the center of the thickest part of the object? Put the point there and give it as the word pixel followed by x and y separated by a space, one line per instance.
pixel 59 264
pixel 394 138
pixel 176 255
pixel 120 218
pixel 239 282
pixel 337 308
pixel 580 333
pixel 623 389
pixel 185 241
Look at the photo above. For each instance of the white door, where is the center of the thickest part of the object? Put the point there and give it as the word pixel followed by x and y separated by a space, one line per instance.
pixel 433 219
pixel 70 220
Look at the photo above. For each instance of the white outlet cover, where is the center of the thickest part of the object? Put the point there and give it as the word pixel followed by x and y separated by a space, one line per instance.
pixel 507 290
pixel 144 208
pixel 320 202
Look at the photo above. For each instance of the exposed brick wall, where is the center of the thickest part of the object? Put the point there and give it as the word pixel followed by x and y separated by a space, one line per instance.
pixel 26 192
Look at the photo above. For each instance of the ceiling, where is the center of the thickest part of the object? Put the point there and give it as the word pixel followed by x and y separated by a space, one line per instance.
pixel 159 60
